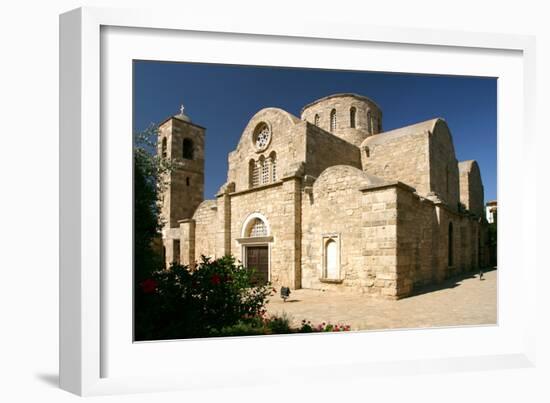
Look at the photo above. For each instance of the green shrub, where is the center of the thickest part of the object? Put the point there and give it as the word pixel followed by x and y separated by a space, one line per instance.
pixel 279 324
pixel 181 303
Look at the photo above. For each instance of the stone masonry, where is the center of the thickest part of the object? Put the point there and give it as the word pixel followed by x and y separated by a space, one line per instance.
pixel 329 200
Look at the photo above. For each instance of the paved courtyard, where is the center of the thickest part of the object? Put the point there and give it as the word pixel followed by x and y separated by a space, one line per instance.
pixel 460 301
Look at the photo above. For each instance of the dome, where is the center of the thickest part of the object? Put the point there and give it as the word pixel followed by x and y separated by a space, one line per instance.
pixel 351 117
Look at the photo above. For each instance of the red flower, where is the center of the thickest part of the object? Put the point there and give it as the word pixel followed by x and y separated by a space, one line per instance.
pixel 149 286
pixel 215 279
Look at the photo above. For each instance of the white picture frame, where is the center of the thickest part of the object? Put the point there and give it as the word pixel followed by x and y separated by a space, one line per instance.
pixel 88 313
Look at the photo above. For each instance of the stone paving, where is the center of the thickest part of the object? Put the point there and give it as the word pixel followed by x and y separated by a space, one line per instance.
pixel 460 301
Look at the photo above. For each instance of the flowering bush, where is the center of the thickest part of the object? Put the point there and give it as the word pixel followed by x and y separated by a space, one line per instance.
pixel 307 327
pixel 276 324
pixel 181 303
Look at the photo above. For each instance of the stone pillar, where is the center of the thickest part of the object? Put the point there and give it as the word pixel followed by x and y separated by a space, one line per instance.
pixel 187 242
pixel 223 231
pixel 292 232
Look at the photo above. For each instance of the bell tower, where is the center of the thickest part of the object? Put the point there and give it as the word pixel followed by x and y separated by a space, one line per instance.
pixel 181 142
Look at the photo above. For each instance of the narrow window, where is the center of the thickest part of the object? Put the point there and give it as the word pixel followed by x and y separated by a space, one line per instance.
pixel 352 117
pixel 274 170
pixel 367 152
pixel 176 251
pixel 273 158
pixel 369 122
pixel 316 120
pixel 265 172
pixel 450 240
pixel 331 259
pixel 253 173
pixel 164 147
pixel 333 120
pixel 187 149
pixel 187 181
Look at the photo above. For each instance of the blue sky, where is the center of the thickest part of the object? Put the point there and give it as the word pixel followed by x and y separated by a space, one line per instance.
pixel 223 98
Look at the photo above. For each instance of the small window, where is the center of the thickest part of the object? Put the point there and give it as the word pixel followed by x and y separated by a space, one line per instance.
pixel 352 112
pixel 316 120
pixel 188 150
pixel 369 122
pixel 333 120
pixel 367 152
pixel 164 147
pixel 187 181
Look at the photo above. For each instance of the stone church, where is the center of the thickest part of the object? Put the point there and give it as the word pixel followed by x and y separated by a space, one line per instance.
pixel 328 200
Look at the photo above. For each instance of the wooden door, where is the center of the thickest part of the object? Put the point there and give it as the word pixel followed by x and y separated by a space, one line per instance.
pixel 257 258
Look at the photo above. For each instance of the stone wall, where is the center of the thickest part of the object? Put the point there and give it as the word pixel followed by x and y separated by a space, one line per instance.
pixel 399 156
pixel 206 225
pixel 324 150
pixel 471 187
pixel 279 204
pixel 416 229
pixel 443 165
pixel 423 242
pixel 362 222
pixel 287 141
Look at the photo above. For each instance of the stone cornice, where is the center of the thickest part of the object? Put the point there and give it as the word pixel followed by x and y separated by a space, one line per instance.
pixel 386 185
pixel 255 189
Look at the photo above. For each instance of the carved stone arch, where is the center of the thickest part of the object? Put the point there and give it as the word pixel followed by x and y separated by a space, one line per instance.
pixel 249 222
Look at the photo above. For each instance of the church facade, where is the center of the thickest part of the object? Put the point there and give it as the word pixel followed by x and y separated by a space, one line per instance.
pixel 328 200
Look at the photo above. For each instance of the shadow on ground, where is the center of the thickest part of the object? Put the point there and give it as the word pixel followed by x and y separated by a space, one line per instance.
pixel 451 282
pixel 50 379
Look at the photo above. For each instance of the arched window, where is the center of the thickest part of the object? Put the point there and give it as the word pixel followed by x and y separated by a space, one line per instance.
pixel 331 259
pixel 164 147
pixel 333 120
pixel 316 120
pixel 187 149
pixel 450 248
pixel 264 173
pixel 273 159
pixel 369 122
pixel 257 229
pixel 254 173
pixel 352 117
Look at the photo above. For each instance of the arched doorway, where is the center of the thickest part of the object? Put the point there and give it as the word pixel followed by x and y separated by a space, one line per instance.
pixel 255 242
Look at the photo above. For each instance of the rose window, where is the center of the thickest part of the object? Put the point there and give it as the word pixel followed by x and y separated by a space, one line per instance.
pixel 262 137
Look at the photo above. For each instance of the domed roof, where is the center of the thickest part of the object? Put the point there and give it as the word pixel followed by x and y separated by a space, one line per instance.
pixel 343 95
